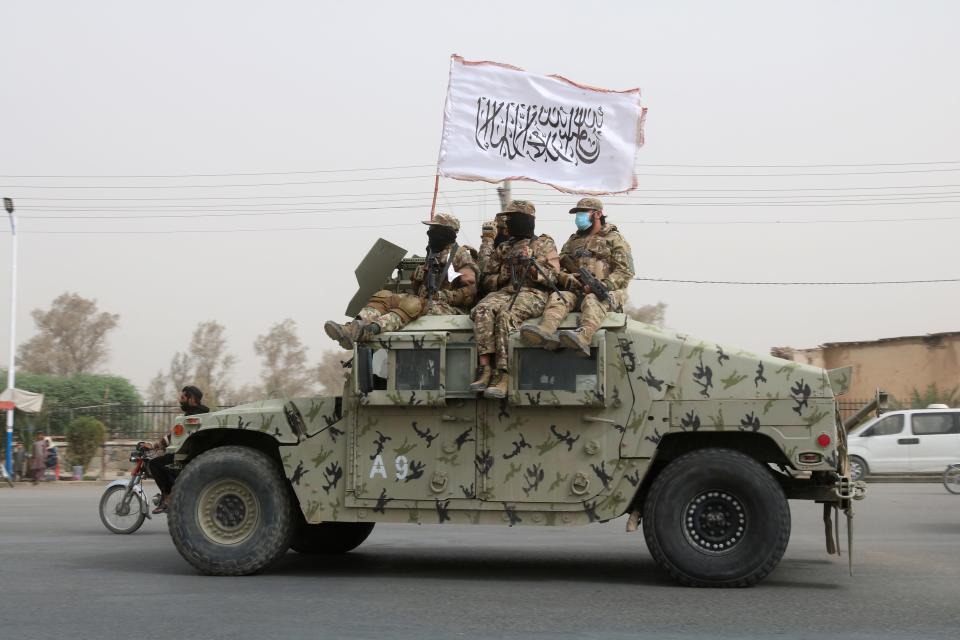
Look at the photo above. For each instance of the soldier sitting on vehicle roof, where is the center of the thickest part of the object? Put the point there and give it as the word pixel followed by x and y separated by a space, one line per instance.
pixel 521 272
pixel 598 250
pixel 492 234
pixel 446 284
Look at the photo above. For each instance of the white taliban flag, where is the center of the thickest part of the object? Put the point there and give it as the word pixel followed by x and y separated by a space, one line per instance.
pixel 502 123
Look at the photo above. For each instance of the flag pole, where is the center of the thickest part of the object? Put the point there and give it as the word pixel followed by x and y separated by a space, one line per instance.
pixel 436 189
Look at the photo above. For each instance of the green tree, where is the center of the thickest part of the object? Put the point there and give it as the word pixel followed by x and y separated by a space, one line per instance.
pixel 112 399
pixel 84 436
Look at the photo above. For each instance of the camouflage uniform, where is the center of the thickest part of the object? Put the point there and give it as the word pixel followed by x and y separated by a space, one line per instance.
pixel 605 254
pixel 488 237
pixel 391 311
pixel 492 321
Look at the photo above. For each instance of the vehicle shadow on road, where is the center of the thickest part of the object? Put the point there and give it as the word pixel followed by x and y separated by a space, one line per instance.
pixel 504 564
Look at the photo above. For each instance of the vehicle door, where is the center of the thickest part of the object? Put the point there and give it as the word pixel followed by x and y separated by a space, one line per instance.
pixel 554 438
pixel 887 445
pixel 415 432
pixel 937 441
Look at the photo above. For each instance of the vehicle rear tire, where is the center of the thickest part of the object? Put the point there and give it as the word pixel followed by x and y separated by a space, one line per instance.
pixel 858 468
pixel 119 518
pixel 951 478
pixel 716 518
pixel 331 537
pixel 230 512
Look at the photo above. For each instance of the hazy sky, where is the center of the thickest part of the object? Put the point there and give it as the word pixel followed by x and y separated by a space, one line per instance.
pixel 107 89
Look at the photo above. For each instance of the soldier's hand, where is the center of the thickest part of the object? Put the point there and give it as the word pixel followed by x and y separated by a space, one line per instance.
pixel 489 230
pixel 570 281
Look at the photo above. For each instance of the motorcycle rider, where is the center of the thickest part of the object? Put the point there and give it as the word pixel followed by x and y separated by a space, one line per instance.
pixel 190 397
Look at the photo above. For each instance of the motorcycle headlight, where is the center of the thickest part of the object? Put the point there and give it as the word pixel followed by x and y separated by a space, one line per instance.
pixel 133 457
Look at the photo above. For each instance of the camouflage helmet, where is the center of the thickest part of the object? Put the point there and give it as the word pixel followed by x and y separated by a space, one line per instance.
pixel 521 206
pixel 445 220
pixel 588 204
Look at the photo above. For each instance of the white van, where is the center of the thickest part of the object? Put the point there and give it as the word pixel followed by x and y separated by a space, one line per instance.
pixel 908 441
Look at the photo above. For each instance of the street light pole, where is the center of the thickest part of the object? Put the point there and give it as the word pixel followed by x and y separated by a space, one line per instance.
pixel 11 371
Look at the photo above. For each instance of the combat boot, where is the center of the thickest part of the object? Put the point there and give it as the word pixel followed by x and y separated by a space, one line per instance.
pixel 368 331
pixel 575 340
pixel 499 387
pixel 539 335
pixel 483 378
pixel 344 334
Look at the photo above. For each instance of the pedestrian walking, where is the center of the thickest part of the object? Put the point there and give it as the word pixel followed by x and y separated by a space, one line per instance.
pixel 38 464
pixel 19 457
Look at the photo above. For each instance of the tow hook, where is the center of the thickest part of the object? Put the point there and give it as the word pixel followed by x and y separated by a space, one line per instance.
pixel 847 489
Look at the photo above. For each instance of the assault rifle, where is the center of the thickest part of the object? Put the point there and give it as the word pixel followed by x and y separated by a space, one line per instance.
pixel 517 282
pixel 590 280
pixel 587 279
pixel 433 271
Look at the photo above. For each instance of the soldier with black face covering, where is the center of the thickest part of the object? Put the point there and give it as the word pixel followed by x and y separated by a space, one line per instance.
pixel 446 284
pixel 492 234
pixel 521 272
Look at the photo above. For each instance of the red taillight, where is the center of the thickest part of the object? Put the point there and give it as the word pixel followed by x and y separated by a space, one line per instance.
pixel 823 440
pixel 178 429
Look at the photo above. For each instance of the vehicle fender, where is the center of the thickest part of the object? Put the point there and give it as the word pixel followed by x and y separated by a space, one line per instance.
pixel 137 489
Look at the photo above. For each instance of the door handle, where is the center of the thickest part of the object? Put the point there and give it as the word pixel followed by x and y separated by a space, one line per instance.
pixel 598 419
pixel 908 441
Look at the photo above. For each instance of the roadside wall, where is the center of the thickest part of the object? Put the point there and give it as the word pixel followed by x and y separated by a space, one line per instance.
pixel 896 365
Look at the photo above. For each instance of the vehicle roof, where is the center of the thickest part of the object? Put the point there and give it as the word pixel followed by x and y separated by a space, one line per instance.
pixel 887 413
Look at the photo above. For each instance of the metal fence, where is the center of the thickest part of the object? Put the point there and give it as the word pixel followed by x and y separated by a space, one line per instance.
pixel 133 421
pixel 849 406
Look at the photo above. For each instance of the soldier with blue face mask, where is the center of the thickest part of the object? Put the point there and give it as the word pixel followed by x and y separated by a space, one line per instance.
pixel 600 249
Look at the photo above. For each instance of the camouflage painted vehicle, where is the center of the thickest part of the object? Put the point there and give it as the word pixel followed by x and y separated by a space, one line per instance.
pixel 702 443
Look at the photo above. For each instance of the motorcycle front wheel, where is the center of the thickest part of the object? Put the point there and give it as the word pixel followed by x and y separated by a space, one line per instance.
pixel 121 516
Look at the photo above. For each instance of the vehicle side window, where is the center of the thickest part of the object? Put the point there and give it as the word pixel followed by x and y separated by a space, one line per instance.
pixel 556 370
pixel 891 425
pixel 418 369
pixel 929 424
pixel 459 370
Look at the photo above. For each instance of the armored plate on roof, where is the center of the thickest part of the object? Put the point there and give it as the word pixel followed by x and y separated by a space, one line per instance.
pixel 373 271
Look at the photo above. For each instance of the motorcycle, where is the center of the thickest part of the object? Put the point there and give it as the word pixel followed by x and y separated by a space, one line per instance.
pixel 124 505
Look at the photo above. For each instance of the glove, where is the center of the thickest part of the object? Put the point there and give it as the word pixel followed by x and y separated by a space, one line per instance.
pixel 489 230
pixel 569 281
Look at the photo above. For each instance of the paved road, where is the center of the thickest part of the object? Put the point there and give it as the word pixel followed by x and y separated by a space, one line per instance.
pixel 460 581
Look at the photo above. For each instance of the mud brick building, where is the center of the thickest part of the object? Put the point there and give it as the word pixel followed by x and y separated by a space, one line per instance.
pixel 896 365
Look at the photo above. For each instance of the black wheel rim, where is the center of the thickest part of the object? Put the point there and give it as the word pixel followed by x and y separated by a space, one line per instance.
pixel 714 522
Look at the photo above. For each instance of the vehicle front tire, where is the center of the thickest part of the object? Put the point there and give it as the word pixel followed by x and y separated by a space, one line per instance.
pixel 716 518
pixel 331 537
pixel 230 512
pixel 858 468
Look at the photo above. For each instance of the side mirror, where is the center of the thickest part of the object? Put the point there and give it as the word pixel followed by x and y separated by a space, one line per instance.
pixel 364 369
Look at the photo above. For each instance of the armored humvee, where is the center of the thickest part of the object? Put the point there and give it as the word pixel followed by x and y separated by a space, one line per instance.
pixel 702 443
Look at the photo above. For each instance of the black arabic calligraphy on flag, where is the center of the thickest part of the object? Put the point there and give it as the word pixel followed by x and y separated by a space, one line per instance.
pixel 539 132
